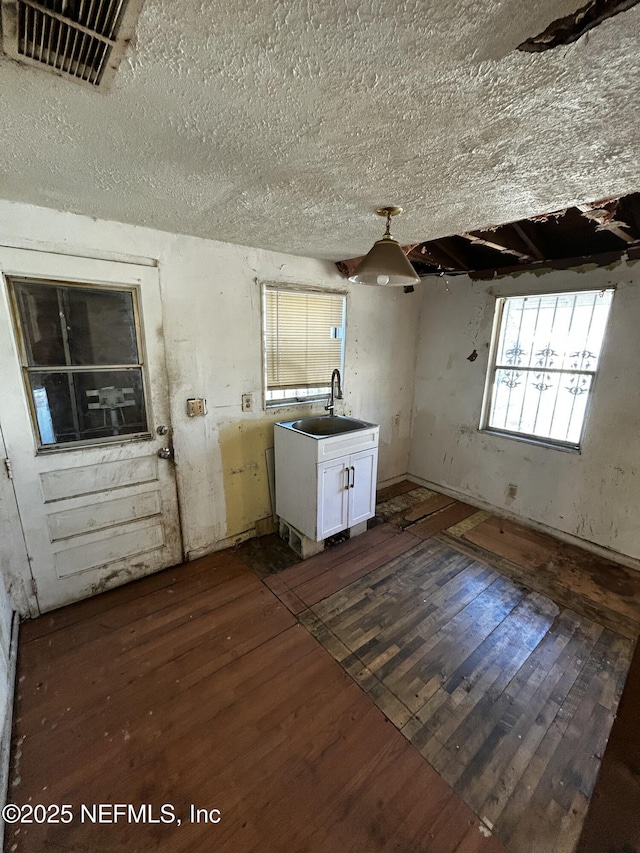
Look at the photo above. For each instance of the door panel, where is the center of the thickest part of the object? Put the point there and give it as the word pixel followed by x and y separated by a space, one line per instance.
pixel 65 483
pixel 68 523
pixel 98 550
pixel 332 498
pixel 100 514
pixel 362 496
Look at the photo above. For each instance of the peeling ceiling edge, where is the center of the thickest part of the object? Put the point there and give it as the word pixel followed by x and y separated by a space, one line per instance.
pixel 570 28
pixel 598 233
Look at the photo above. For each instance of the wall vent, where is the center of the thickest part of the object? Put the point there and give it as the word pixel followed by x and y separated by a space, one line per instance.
pixel 84 40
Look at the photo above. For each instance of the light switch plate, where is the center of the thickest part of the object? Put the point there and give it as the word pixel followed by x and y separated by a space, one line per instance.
pixel 196 406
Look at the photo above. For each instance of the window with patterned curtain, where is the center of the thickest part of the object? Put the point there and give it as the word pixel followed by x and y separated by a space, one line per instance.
pixel 303 343
pixel 544 361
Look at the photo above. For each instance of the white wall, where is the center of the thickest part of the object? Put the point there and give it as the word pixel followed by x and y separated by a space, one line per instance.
pixel 593 495
pixel 212 330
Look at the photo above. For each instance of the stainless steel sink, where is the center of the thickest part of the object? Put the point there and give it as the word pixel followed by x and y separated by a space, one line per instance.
pixel 325 425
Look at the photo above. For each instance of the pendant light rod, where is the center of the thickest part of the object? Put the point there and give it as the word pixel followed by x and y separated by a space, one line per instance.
pixel 393 210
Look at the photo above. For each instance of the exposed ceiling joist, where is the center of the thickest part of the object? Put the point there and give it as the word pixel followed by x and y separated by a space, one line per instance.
pixel 597 232
pixel 493 244
pixel 603 259
pixel 522 231
pixel 451 254
pixel 605 222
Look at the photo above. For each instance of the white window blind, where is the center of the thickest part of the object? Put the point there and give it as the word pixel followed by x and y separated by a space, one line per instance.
pixel 304 334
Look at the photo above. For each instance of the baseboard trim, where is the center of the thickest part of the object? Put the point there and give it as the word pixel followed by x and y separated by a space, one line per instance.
pixel 382 484
pixel 5 746
pixel 220 545
pixel 585 544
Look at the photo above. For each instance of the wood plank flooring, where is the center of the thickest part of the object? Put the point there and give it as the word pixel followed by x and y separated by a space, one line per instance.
pixel 508 696
pixel 613 820
pixel 197 686
pixel 508 691
pixel 498 654
pixel 598 588
pixel 593 586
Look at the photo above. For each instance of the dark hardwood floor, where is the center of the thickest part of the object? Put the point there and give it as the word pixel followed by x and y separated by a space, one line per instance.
pixel 498 651
pixel 444 683
pixel 198 687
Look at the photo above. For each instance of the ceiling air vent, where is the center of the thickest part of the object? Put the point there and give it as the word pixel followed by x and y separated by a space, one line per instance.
pixel 81 39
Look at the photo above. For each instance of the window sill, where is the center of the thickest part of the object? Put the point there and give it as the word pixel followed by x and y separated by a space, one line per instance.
pixel 532 439
pixel 291 404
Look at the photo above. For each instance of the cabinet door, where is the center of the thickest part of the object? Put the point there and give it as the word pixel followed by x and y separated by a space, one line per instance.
pixel 333 497
pixel 362 493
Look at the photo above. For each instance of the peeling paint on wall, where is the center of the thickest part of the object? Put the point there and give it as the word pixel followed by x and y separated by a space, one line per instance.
pixel 591 495
pixel 244 471
pixel 212 330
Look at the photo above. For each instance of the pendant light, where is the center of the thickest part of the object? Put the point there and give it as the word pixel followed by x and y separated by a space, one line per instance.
pixel 386 263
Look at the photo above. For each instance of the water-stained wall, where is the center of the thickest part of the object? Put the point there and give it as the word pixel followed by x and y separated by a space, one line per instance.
pixel 212 310
pixel 592 495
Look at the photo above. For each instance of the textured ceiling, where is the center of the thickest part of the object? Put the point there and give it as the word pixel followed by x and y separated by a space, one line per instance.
pixel 283 124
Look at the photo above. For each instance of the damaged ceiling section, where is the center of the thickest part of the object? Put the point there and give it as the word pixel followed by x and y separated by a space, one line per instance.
pixel 598 233
pixel 570 28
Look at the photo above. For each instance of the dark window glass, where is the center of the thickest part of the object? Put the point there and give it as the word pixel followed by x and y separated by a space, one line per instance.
pixel 75 339
pixel 77 405
pixel 76 325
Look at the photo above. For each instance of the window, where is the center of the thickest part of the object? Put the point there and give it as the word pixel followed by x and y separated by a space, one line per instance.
pixel 545 356
pixel 81 361
pixel 304 342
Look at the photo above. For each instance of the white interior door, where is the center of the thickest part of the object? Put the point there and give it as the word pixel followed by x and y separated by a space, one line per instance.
pixel 84 412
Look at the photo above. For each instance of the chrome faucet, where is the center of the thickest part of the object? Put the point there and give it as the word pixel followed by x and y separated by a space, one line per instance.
pixel 334 395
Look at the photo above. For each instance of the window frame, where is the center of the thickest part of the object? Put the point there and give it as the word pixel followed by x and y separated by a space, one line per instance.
pixel 26 369
pixel 295 287
pixel 489 384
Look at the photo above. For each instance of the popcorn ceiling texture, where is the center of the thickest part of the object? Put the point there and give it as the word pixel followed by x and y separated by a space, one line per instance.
pixel 284 124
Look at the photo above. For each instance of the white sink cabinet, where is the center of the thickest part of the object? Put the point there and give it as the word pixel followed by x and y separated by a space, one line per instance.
pixel 325 484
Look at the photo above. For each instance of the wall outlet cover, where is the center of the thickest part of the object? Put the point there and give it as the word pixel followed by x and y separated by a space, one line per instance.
pixel 196 406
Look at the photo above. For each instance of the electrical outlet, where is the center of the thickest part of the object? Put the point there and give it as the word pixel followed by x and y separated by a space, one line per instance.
pixel 196 406
pixel 247 402
pixel 512 490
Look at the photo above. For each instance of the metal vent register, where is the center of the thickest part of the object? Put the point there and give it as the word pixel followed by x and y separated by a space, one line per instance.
pixel 81 39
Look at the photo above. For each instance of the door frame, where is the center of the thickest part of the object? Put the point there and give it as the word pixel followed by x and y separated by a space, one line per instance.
pixel 17 573
pixel 32 263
